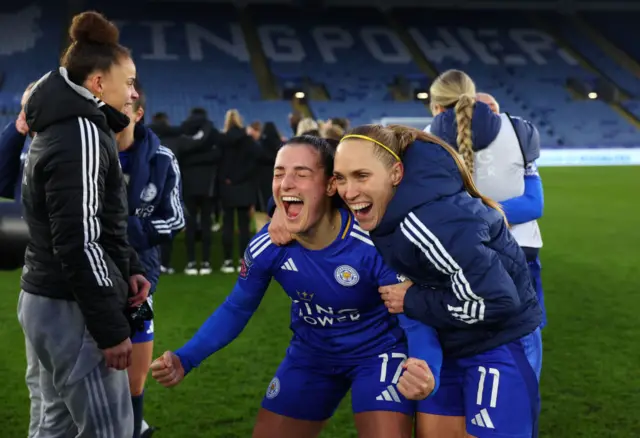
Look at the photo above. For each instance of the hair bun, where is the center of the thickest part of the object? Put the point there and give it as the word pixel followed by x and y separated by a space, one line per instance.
pixel 93 27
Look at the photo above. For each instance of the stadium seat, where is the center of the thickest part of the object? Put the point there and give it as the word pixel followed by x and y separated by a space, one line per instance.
pixel 195 55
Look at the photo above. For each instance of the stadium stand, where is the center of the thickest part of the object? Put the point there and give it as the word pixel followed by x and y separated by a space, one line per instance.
pixel 350 61
pixel 351 51
pixel 29 46
pixel 192 56
pixel 524 68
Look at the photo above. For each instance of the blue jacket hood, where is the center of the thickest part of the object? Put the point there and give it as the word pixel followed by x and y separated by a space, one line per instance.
pixel 146 143
pixel 485 126
pixel 145 147
pixel 430 173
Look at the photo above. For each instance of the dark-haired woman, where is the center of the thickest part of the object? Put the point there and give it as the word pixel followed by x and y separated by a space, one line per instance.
pixel 155 216
pixel 79 268
pixel 270 141
pixel 343 336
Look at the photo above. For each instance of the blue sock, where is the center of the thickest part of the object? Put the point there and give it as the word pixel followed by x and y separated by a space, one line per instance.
pixel 137 402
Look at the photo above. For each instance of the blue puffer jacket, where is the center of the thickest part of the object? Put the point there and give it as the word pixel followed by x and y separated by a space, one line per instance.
pixel 471 278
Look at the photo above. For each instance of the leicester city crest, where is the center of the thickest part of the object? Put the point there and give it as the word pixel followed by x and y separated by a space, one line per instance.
pixel 149 193
pixel 274 388
pixel 346 275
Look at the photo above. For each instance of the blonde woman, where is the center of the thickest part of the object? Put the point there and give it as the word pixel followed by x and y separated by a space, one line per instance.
pixel 240 155
pixel 417 199
pixel 308 126
pixel 500 151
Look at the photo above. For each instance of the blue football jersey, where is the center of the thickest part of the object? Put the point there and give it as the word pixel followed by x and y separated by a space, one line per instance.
pixel 336 312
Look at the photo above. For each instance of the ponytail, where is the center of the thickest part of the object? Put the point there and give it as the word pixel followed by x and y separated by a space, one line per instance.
pixel 464 113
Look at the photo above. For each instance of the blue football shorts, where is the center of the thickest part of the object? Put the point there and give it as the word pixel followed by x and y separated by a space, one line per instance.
pixel 146 335
pixel 496 392
pixel 306 390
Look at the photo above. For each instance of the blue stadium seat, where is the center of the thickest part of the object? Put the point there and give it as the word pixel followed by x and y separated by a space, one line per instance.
pixel 30 43
pixel 524 69
pixel 594 54
pixel 197 58
pixel 195 55
pixel 620 27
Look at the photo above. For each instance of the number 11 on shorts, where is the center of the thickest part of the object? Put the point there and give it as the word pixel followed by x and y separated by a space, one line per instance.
pixel 494 389
pixel 385 361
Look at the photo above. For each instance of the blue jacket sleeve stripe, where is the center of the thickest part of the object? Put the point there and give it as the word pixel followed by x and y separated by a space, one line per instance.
pixel 176 221
pixel 472 308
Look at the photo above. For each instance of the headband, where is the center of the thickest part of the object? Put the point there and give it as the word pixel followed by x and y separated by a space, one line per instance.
pixel 364 137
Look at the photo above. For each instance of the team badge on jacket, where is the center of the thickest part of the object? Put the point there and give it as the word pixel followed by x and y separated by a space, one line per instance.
pixel 149 193
pixel 346 275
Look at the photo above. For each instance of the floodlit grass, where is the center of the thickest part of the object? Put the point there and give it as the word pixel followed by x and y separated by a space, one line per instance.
pixel 590 382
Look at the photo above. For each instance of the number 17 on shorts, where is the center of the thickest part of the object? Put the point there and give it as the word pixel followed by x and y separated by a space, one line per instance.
pixel 374 385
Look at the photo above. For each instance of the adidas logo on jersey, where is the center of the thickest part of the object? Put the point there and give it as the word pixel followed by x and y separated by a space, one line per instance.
pixel 483 420
pixel 389 394
pixel 289 266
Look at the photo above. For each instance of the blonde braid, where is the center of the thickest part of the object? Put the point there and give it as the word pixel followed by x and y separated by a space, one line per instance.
pixel 464 113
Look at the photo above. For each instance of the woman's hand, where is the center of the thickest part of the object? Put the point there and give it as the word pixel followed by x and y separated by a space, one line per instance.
pixel 393 296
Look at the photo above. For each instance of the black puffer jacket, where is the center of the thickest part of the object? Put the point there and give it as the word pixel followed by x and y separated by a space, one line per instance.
pixel 75 205
pixel 240 154
pixel 199 156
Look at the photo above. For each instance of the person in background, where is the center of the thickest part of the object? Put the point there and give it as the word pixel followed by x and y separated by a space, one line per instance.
pixel 500 152
pixel 155 216
pixel 14 144
pixel 308 126
pixel 332 133
pixel 160 125
pixel 199 157
pixel 342 122
pixel 523 213
pixel 488 99
pixel 238 167
pixel 253 130
pixel 294 119
pixel 269 141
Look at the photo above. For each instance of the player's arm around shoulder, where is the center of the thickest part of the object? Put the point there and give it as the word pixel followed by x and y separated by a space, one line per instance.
pixel 455 242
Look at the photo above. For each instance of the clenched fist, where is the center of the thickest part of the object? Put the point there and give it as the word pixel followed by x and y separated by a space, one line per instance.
pixel 416 382
pixel 119 356
pixel 167 370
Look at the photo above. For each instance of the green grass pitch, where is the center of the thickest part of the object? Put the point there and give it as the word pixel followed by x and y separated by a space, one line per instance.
pixel 590 381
